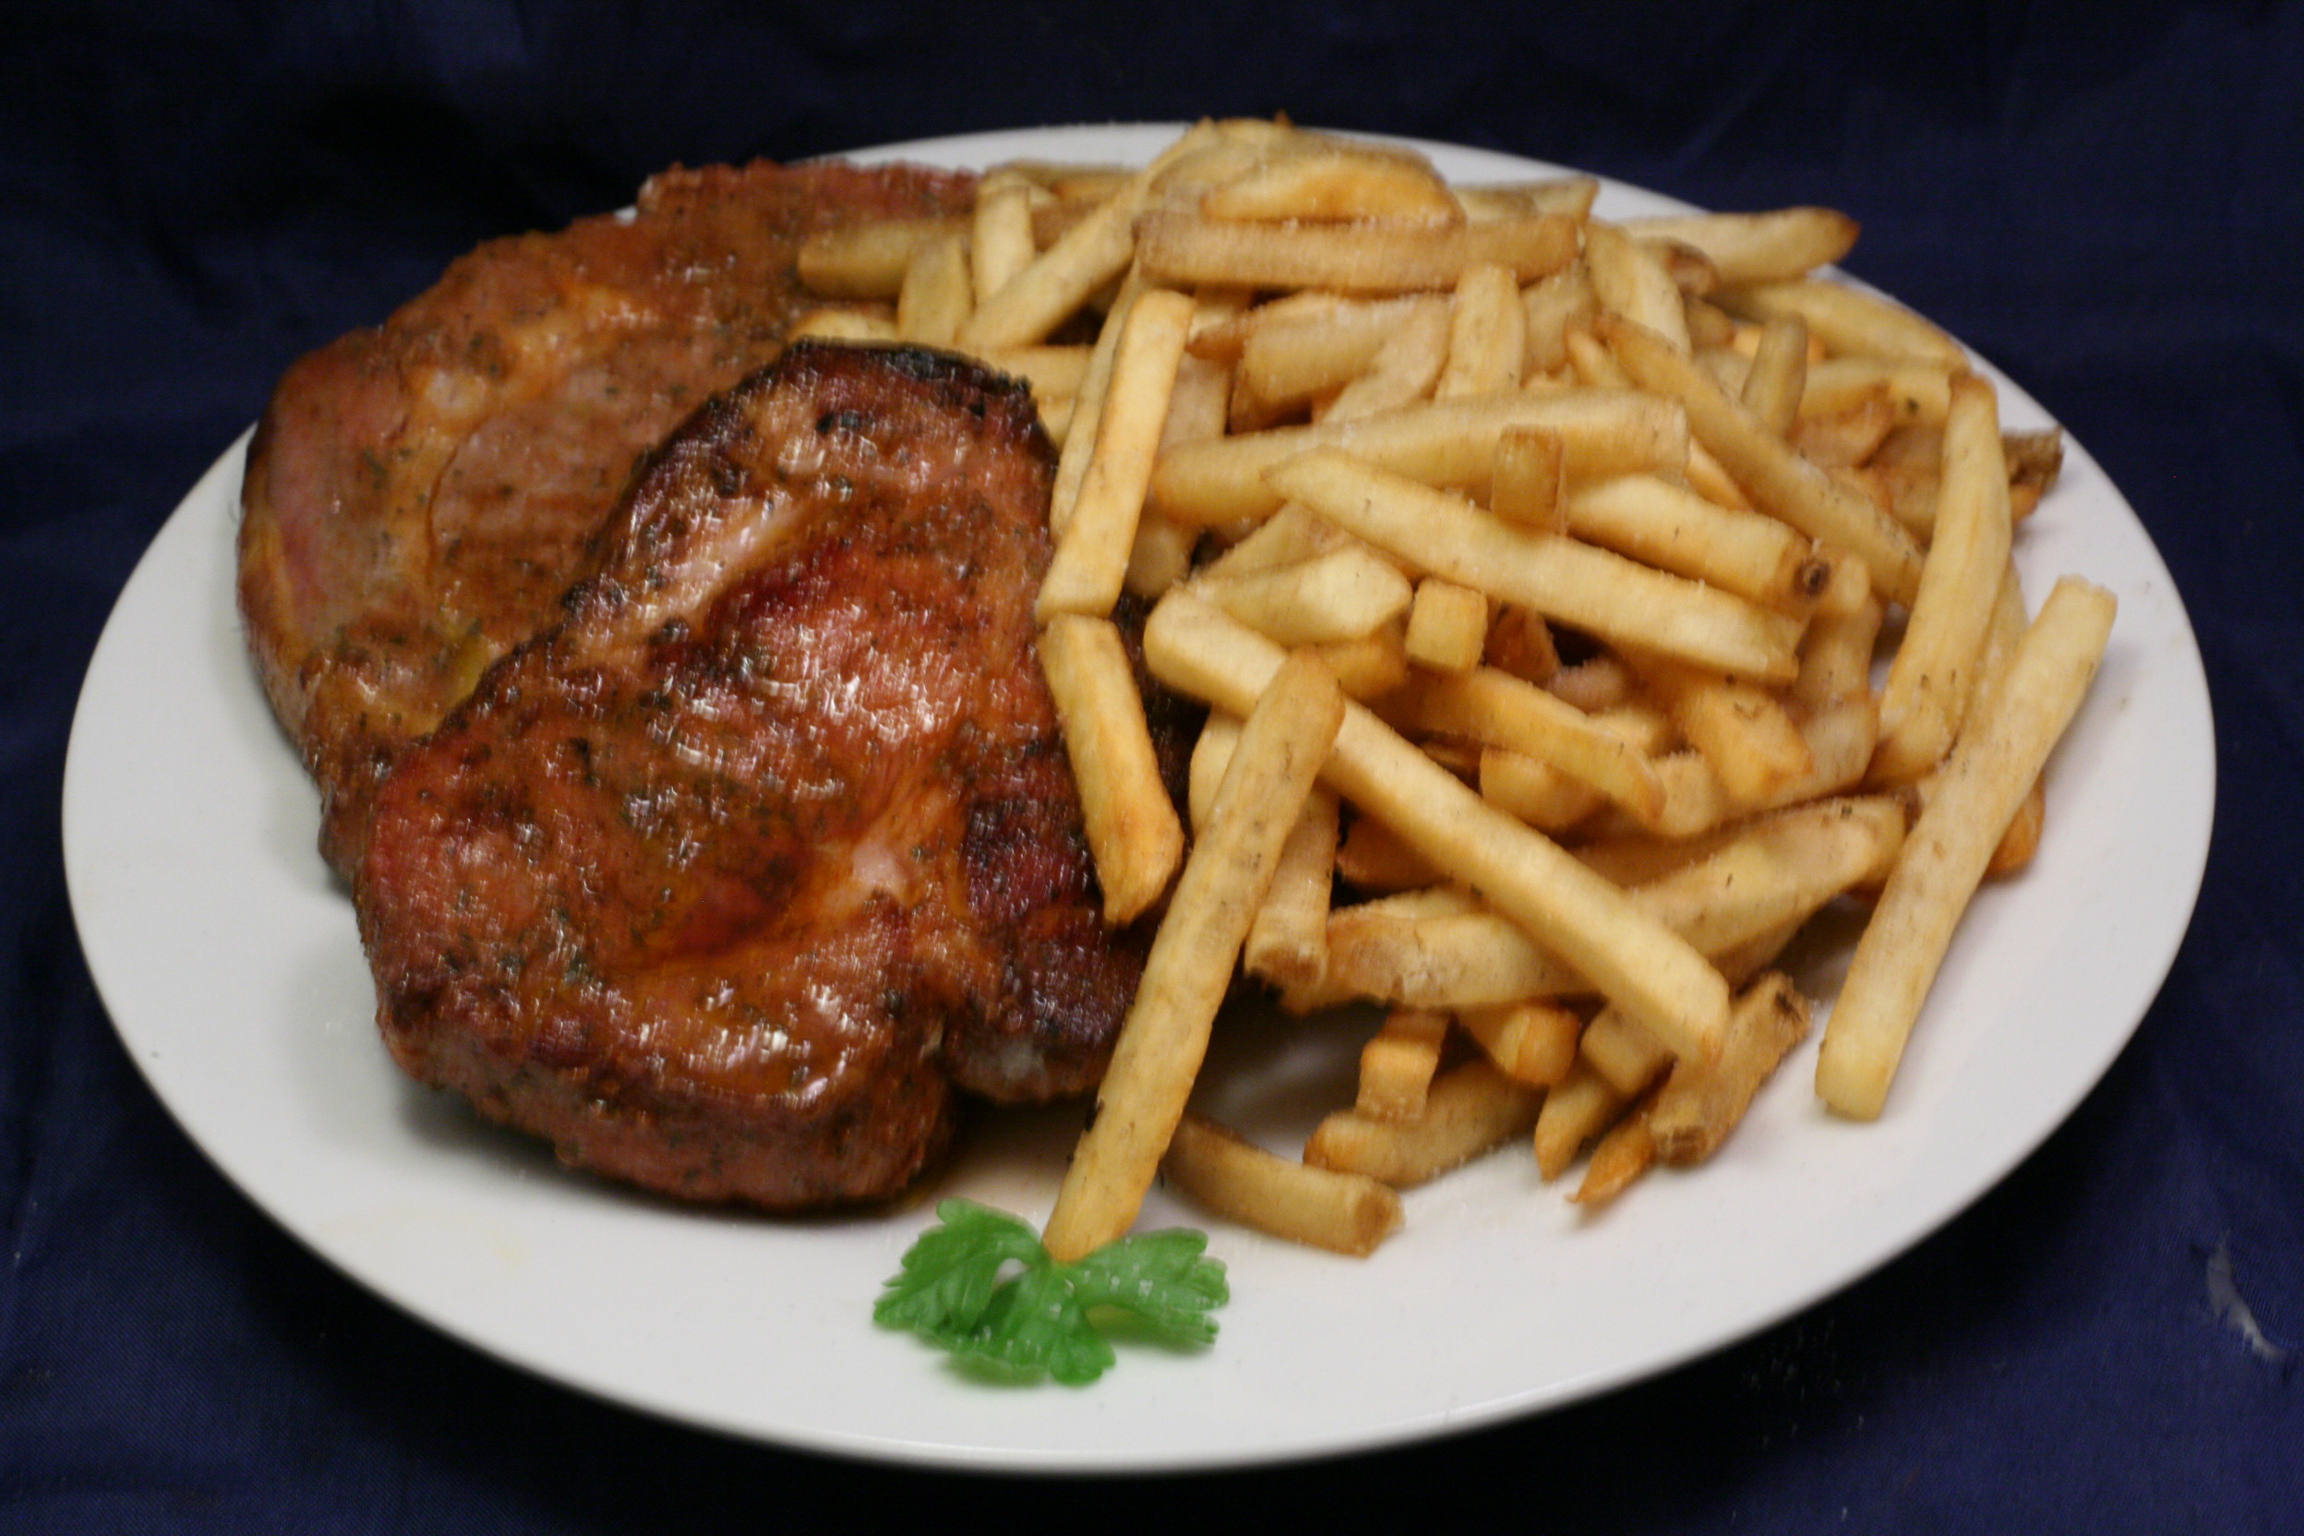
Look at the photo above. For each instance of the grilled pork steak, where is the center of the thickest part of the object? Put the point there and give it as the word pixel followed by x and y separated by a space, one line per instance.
pixel 420 494
pixel 727 880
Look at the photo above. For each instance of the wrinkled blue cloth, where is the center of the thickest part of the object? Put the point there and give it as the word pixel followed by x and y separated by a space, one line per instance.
pixel 2107 199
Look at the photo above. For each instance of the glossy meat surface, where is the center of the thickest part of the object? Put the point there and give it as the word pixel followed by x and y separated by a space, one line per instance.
pixel 421 493
pixel 727 881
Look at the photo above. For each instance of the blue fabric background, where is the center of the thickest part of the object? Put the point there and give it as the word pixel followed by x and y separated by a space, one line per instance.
pixel 2107 199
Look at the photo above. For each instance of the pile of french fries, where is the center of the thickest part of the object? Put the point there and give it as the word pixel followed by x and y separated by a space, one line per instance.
pixel 1581 607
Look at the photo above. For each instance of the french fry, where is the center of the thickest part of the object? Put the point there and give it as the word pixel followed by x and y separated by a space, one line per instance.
pixel 1588 922
pixel 1622 1054
pixel 1334 183
pixel 1933 675
pixel 1499 710
pixel 1162 1041
pixel 1920 392
pixel 1088 410
pixel 1748 248
pixel 1370 667
pixel 1216 1168
pixel 1695 1110
pixel 1674 529
pixel 1579 1109
pixel 1569 196
pixel 1847 320
pixel 857 325
pixel 1555 306
pixel 868 261
pixel 1990 771
pixel 1285 361
pixel 935 299
pixel 1629 281
pixel 1487 335
pixel 1340 595
pixel 1397 1064
pixel 1447 626
pixel 1471 1109
pixel 1373 857
pixel 1743 732
pixel 1534 1042
pixel 1000 242
pixel 1529 485
pixel 1133 834
pixel 1449 443
pixel 1090 565
pixel 1062 278
pixel 1211 755
pixel 1534 791
pixel 1288 943
pixel 1625 1153
pixel 1779 481
pixel 1778 378
pixel 1189 248
pixel 1560 578
pixel 1405 369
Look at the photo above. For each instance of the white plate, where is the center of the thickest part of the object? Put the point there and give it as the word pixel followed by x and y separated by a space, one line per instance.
pixel 230 963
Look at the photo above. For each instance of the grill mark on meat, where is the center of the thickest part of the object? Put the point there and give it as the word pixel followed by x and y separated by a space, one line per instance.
pixel 420 494
pixel 728 880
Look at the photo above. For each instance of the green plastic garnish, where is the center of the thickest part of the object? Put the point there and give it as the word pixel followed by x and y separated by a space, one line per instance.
pixel 982 1287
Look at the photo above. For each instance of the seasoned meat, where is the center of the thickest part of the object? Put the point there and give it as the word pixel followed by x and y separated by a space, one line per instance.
pixel 420 494
pixel 726 881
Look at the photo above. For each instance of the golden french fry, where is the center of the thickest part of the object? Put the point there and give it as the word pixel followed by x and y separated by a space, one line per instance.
pixel 936 298
pixel 1920 392
pixel 1836 653
pixel 1630 281
pixel 1625 1153
pixel 1674 529
pixel 1487 335
pixel 1397 1065
pixel 1696 1108
pixel 1447 626
pixel 845 325
pixel 1373 857
pixel 1933 676
pixel 1132 830
pixel 1847 320
pixel 1215 1167
pixel 1174 246
pixel 1622 1054
pixel 1341 595
pixel 1288 943
pixel 1555 306
pixel 868 261
pixel 1778 378
pixel 1741 730
pixel 1000 242
pixel 1602 593
pixel 1990 771
pixel 1840 734
pixel 1630 957
pixel 1569 196
pixel 1500 710
pixel 1063 278
pixel 1748 248
pixel 1088 410
pixel 1337 183
pixel 1372 666
pixel 1579 1109
pixel 1470 1110
pixel 1534 791
pixel 1211 755
pixel 1778 480
pixel 1287 359
pixel 1405 369
pixel 1086 573
pixel 1534 1042
pixel 1450 443
pixel 1530 483
pixel 1165 1035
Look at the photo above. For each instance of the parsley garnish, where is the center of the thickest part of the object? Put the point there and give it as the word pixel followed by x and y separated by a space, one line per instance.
pixel 981 1286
